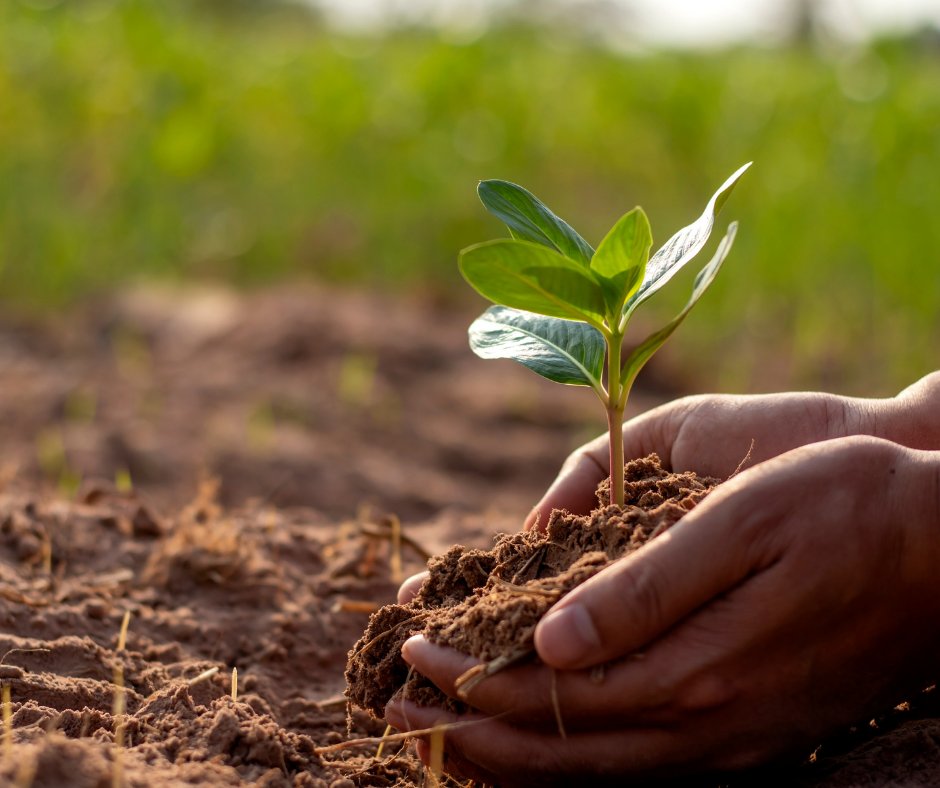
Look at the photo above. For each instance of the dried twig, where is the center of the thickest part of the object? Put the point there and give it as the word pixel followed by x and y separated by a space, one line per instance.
pixel 117 711
pixel 21 651
pixel 381 635
pixel 355 606
pixel 7 722
pixel 16 596
pixel 436 764
pixel 122 636
pixel 395 737
pixel 382 533
pixel 538 554
pixel 465 683
pixel 525 590
pixel 395 560
pixel 206 674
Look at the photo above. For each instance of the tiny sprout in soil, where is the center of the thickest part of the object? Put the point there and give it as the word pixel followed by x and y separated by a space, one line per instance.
pixel 561 305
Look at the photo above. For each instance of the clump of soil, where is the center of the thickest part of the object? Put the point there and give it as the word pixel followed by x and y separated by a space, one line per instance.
pixel 488 603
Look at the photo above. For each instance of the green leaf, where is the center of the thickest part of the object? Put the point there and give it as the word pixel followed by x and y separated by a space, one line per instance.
pixel 561 350
pixel 527 276
pixel 654 341
pixel 529 220
pixel 682 247
pixel 620 260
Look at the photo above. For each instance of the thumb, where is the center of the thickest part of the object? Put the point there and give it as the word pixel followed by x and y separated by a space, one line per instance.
pixel 629 604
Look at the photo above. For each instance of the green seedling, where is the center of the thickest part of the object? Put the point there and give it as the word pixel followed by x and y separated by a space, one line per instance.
pixel 563 306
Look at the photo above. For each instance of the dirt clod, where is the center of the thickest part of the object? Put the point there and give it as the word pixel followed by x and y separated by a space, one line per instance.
pixel 488 603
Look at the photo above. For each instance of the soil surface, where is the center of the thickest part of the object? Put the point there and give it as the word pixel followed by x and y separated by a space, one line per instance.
pixel 223 471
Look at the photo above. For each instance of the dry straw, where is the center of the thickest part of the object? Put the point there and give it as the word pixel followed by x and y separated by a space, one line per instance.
pixel 206 674
pixel 7 723
pixel 119 706
pixel 397 574
pixel 120 700
pixel 378 752
pixel 122 636
pixel 396 737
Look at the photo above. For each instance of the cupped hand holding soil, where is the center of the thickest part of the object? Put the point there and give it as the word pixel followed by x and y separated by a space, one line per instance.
pixel 710 434
pixel 797 598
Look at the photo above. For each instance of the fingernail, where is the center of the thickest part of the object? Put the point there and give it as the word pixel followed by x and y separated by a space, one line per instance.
pixel 408 647
pixel 567 636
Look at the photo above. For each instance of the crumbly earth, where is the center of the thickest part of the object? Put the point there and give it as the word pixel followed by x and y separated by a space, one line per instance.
pixel 488 603
pixel 272 593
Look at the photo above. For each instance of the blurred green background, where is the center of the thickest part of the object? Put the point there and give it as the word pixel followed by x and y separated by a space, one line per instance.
pixel 248 142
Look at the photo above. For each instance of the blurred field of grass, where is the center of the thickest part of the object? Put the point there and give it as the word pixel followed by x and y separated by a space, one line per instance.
pixel 142 138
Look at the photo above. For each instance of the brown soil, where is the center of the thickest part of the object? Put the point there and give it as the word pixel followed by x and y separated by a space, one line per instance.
pixel 487 603
pixel 263 572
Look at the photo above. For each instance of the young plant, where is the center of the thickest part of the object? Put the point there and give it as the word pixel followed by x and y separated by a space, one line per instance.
pixel 561 305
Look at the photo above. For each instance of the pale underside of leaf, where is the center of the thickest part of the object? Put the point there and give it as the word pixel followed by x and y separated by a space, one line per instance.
pixel 564 351
pixel 530 277
pixel 528 219
pixel 654 341
pixel 681 248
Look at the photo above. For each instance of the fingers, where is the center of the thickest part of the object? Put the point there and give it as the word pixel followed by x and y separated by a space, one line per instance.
pixel 672 681
pixel 522 756
pixel 626 606
pixel 409 589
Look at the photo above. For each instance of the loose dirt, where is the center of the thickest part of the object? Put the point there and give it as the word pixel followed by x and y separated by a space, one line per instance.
pixel 486 603
pixel 267 564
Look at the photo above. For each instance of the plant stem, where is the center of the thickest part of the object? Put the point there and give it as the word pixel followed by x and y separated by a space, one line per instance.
pixel 615 417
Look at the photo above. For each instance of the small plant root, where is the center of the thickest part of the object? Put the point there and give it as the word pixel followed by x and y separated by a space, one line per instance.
pixel 465 683
pixel 389 631
pixel 525 590
pixel 743 462
pixel 557 706
pixel 538 554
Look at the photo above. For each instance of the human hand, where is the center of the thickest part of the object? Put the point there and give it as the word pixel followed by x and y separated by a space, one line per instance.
pixel 798 597
pixel 711 434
